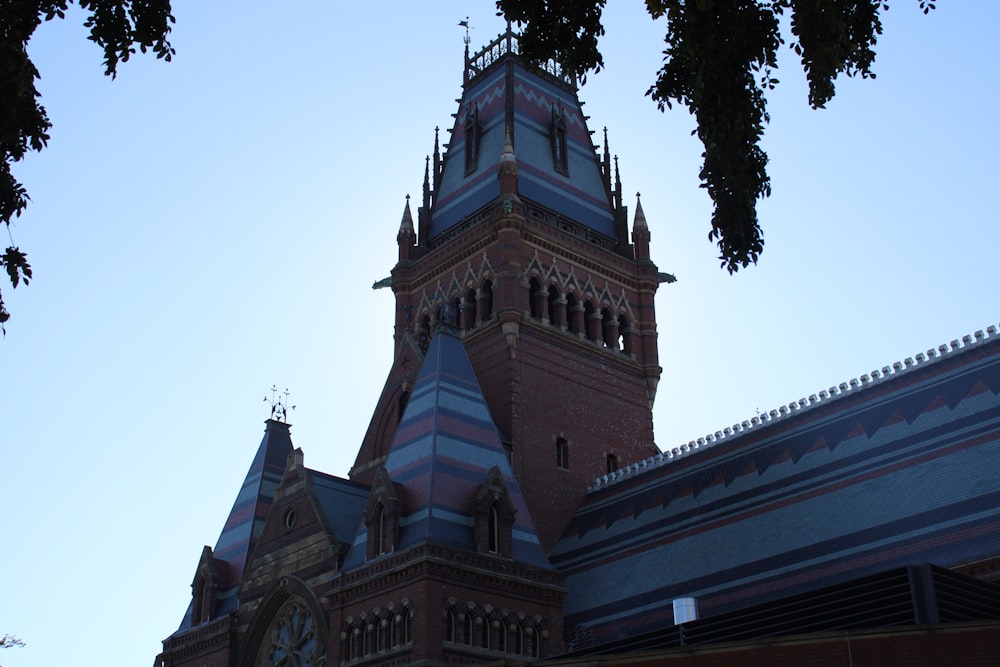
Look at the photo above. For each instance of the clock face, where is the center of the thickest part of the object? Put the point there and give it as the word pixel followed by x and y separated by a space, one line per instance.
pixel 293 642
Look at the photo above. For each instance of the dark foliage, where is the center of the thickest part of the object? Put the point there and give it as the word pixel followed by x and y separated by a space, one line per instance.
pixel 119 27
pixel 718 62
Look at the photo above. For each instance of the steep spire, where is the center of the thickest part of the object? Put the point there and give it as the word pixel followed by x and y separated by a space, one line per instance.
pixel 606 164
pixel 640 231
pixel 427 182
pixel 406 235
pixel 437 158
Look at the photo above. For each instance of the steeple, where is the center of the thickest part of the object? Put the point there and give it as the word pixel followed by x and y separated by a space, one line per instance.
pixel 524 251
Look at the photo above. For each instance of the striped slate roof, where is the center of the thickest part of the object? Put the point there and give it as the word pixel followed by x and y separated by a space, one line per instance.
pixel 904 471
pixel 246 519
pixel 523 101
pixel 445 448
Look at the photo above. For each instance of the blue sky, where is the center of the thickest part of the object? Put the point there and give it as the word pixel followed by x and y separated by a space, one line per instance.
pixel 203 229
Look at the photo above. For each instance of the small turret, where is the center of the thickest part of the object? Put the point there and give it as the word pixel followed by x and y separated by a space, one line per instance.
pixel 406 237
pixel 640 231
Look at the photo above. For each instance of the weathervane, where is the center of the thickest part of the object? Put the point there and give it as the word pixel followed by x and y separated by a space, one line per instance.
pixel 465 24
pixel 279 406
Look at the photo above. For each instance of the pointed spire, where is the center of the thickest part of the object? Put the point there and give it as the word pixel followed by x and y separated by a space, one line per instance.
pixel 618 186
pixel 640 231
pixel 427 182
pixel 606 163
pixel 406 235
pixel 437 158
pixel 640 217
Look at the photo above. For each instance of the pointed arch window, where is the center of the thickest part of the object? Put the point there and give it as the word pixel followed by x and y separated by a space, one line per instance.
pixel 612 462
pixel 473 136
pixel 557 136
pixel 494 530
pixel 562 453
pixel 469 318
pixel 536 296
pixel 486 300
pixel 382 515
pixel 449 626
pixel 624 334
pixel 572 306
pixel 493 516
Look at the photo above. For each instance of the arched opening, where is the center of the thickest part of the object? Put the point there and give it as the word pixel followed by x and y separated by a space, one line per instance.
pixel 483 625
pixel 494 530
pixel 624 334
pixel 608 334
pixel 591 321
pixel 449 626
pixel 486 300
pixel 556 313
pixel 517 639
pixel 467 629
pixel 572 305
pixel 379 535
pixel 612 461
pixel 469 317
pixel 535 296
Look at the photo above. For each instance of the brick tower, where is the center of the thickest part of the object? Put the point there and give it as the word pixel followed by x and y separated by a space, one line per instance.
pixel 522 247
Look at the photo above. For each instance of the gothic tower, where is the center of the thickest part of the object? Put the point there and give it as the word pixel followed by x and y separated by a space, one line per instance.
pixel 521 246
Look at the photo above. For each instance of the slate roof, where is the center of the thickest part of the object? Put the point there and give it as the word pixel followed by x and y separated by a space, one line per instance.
pixel 342 503
pixel 522 99
pixel 901 472
pixel 246 519
pixel 444 449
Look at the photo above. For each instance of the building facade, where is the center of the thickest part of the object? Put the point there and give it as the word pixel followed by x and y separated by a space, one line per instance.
pixel 508 503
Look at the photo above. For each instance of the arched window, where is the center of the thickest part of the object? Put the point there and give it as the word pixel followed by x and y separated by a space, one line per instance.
pixel 486 300
pixel 472 136
pixel 467 629
pixel 612 463
pixel 369 639
pixel 557 135
pixel 484 631
pixel 469 319
pixel 381 635
pixel 494 530
pixel 408 626
pixel 591 321
pixel 624 334
pixel 501 636
pixel 555 311
pixel 535 296
pixel 571 316
pixel 449 626
pixel 608 336
pixel 379 535
pixel 517 639
pixel 562 453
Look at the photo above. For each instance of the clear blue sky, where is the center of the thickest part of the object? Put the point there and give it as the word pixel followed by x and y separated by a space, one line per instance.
pixel 203 229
